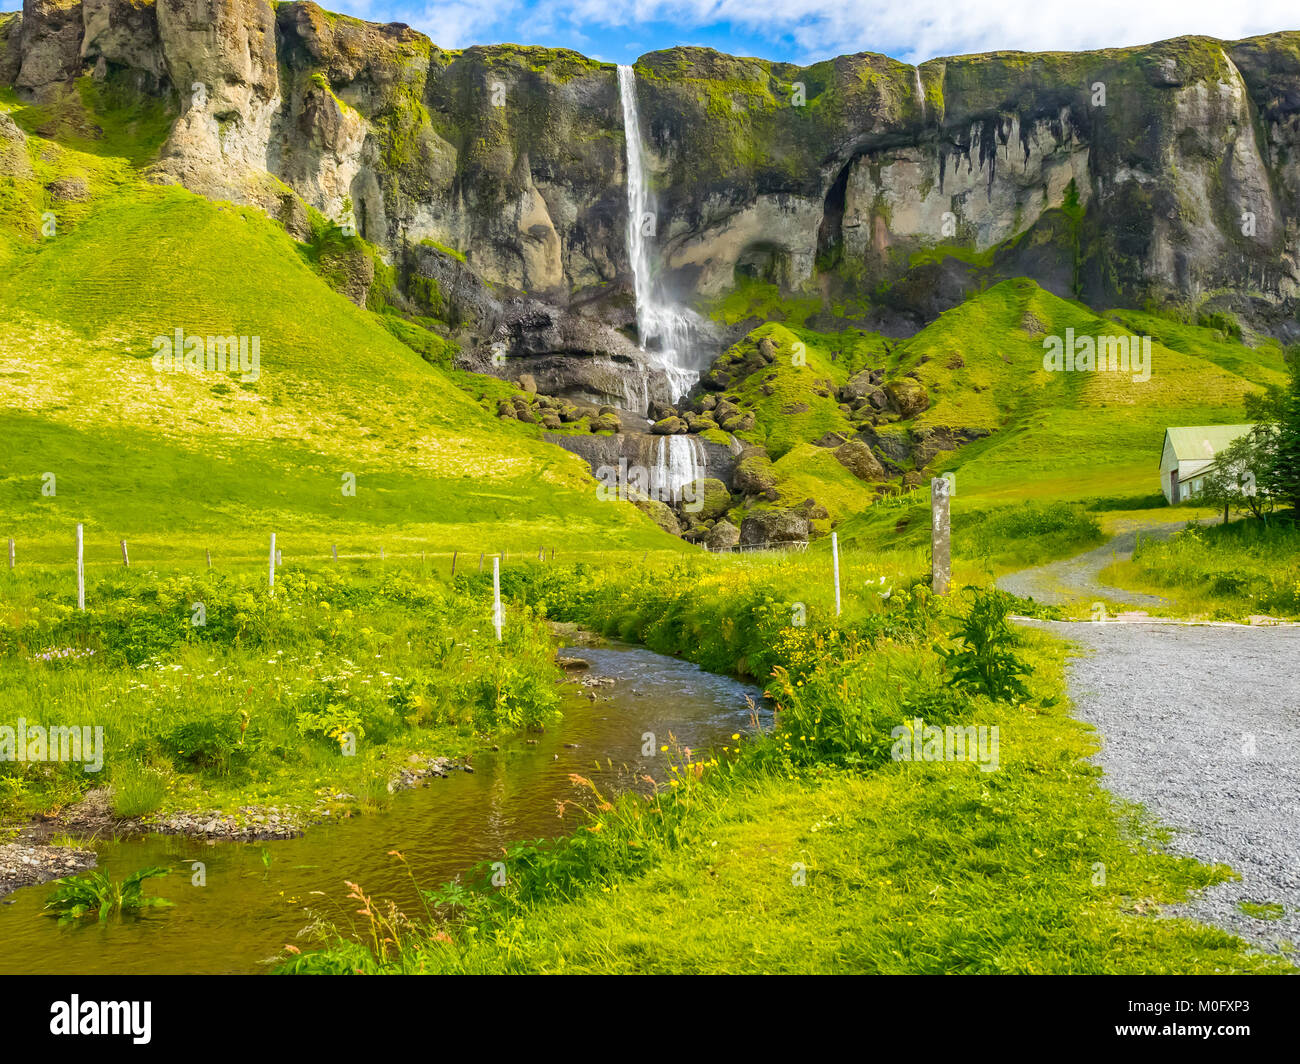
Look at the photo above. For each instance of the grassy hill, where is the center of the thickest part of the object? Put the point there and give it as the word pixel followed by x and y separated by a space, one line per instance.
pixel 1051 436
pixel 178 462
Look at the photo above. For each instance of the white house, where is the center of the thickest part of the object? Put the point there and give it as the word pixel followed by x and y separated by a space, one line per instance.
pixel 1188 455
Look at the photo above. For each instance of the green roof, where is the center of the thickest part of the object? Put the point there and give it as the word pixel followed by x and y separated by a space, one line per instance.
pixel 1196 442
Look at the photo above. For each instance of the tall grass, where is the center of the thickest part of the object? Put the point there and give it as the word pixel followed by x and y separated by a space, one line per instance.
pixel 326 682
pixel 1227 571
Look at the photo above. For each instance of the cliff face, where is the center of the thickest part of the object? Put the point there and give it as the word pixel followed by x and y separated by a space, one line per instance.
pixel 1169 172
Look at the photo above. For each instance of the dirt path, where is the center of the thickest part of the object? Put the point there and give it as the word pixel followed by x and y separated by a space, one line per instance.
pixel 1199 723
pixel 1079 577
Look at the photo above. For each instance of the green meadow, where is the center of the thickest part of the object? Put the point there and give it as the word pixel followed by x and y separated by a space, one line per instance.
pixel 805 848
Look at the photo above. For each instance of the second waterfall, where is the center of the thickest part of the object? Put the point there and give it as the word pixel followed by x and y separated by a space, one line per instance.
pixel 663 328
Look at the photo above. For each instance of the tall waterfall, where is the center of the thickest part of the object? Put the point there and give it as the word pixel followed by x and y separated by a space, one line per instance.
pixel 920 91
pixel 656 318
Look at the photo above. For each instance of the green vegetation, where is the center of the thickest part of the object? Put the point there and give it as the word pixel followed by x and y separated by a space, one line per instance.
pixel 213 693
pixel 1223 572
pixel 95 894
pixel 179 462
pixel 812 847
pixel 1269 910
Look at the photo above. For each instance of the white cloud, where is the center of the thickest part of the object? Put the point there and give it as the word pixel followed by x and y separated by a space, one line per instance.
pixel 913 31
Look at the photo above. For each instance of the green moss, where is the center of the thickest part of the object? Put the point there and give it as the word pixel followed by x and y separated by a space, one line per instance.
pixel 428 242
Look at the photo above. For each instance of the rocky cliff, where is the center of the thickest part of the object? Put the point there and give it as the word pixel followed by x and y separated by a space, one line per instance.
pixel 1166 172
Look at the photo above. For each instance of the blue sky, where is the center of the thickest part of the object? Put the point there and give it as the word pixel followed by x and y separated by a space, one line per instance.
pixel 804 31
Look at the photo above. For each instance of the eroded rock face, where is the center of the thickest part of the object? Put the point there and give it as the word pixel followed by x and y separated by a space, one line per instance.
pixel 50 43
pixel 1180 178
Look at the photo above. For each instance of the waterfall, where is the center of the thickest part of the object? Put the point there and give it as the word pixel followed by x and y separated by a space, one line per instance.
pixel 678 461
pixel 920 92
pixel 656 319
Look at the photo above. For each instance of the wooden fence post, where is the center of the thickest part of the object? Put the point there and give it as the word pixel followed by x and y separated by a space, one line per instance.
pixel 270 580
pixel 835 555
pixel 940 541
pixel 126 558
pixel 453 562
pixel 480 562
pixel 208 552
pixel 335 549
pixel 81 571
pixel 496 596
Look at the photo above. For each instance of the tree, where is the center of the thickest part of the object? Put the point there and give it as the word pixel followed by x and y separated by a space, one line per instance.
pixel 1235 481
pixel 1282 477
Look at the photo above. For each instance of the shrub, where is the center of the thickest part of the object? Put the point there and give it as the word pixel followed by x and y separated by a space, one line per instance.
pixel 983 660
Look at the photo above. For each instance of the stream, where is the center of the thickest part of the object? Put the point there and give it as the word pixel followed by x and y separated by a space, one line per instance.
pixel 258 896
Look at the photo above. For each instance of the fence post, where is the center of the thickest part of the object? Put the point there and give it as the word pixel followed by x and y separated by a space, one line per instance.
pixel 81 571
pixel 279 559
pixel 496 596
pixel 835 555
pixel 208 552
pixel 453 562
pixel 270 580
pixel 480 562
pixel 940 538
pixel 126 558
pixel 335 549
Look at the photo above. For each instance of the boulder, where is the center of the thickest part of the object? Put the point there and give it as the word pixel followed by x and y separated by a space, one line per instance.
pixel 859 386
pixel 860 460
pixel 722 536
pixel 763 528
pixel 669 426
pixel 754 475
pixel 908 397
pixel 709 498
pixel 606 423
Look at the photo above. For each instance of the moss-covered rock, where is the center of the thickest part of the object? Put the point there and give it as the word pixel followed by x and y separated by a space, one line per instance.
pixel 754 476
pixel 708 499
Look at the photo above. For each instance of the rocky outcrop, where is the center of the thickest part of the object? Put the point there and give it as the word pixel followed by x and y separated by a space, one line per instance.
pixel 13 150
pixel 1167 172
pixel 49 40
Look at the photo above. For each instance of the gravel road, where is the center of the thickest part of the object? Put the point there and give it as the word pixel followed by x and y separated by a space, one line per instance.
pixel 1080 577
pixel 1201 724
